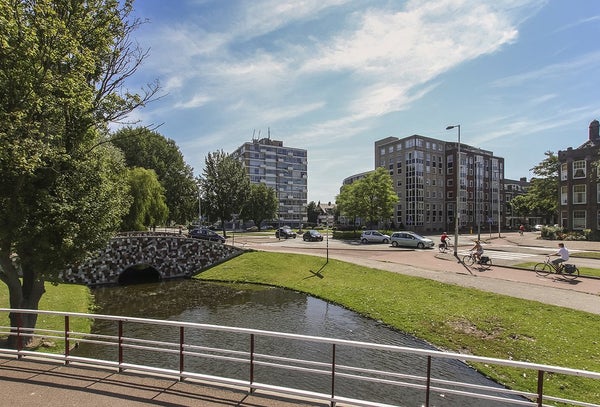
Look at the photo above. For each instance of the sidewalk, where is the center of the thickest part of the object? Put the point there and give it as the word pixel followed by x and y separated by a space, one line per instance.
pixel 34 383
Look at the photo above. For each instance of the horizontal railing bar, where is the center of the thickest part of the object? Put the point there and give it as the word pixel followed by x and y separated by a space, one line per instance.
pixel 394 348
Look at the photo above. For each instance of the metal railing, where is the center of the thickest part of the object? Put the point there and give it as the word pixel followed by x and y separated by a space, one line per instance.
pixel 184 345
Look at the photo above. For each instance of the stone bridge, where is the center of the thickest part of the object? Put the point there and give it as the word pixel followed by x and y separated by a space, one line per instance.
pixel 148 257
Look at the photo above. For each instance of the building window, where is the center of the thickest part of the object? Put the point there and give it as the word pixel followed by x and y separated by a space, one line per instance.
pixel 598 193
pixel 579 169
pixel 579 220
pixel 563 195
pixel 563 172
pixel 579 194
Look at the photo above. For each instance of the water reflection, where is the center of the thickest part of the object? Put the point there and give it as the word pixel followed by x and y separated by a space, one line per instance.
pixel 273 309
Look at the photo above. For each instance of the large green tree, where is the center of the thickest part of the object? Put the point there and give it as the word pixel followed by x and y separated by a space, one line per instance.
pixel 225 186
pixel 149 149
pixel 260 205
pixel 62 190
pixel 371 198
pixel 541 198
pixel 148 208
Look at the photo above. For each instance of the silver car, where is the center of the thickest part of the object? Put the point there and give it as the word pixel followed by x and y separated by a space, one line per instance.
pixel 411 239
pixel 373 236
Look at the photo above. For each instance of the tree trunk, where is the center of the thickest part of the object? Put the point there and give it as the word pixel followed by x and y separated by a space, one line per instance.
pixel 24 296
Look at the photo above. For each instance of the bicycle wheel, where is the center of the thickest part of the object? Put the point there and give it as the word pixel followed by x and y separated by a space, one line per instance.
pixel 543 269
pixel 468 260
pixel 571 275
pixel 487 265
pixel 442 248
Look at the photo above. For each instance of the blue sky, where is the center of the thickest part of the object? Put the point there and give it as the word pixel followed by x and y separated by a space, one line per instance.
pixel 521 77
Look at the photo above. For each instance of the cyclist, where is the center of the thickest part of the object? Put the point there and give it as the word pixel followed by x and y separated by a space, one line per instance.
pixel 564 256
pixel 477 251
pixel 444 240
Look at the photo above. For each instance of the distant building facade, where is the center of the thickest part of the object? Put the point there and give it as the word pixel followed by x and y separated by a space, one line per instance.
pixel 424 178
pixel 282 168
pixel 579 186
pixel 512 189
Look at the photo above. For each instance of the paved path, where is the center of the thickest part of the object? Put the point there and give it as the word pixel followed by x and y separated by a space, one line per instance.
pixel 34 383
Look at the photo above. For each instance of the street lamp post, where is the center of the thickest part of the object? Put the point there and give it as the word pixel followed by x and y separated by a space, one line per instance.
pixel 478 200
pixel 457 211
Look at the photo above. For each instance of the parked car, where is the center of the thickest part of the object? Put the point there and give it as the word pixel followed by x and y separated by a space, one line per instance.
pixel 373 236
pixel 312 236
pixel 206 234
pixel 285 233
pixel 411 239
pixel 538 227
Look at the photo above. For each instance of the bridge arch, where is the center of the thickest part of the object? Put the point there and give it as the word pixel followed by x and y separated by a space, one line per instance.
pixel 171 255
pixel 139 273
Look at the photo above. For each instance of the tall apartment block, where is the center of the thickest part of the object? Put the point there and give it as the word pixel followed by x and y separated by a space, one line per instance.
pixel 424 177
pixel 282 168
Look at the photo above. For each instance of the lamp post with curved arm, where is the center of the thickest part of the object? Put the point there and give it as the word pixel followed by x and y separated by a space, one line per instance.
pixel 457 211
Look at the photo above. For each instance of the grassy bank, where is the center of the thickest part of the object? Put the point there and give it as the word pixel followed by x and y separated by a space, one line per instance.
pixel 450 317
pixel 64 297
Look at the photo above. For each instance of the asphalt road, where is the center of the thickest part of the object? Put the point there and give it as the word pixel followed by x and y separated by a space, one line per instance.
pixel 582 294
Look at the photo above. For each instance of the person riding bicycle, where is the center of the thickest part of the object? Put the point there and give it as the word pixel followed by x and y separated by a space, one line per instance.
pixel 444 239
pixel 564 256
pixel 477 251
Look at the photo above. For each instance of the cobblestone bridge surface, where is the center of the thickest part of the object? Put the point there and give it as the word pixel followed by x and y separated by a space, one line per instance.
pixel 171 255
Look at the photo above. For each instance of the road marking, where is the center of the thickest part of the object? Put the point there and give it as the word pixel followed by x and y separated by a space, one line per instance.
pixel 504 255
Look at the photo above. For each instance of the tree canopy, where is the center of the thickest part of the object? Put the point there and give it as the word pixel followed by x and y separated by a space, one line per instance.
pixel 541 198
pixel 148 208
pixel 225 186
pixel 371 198
pixel 312 212
pixel 260 205
pixel 149 149
pixel 62 192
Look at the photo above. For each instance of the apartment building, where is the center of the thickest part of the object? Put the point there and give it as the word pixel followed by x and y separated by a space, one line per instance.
pixel 424 177
pixel 579 185
pixel 512 189
pixel 282 168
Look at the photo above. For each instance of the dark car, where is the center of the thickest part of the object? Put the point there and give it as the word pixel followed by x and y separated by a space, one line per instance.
pixel 312 236
pixel 285 233
pixel 206 234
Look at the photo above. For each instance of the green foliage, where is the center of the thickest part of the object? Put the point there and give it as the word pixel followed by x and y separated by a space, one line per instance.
pixel 541 198
pixel 450 317
pixel 260 205
pixel 148 208
pixel 225 186
pixel 62 191
pixel 312 212
pixel 371 198
pixel 149 149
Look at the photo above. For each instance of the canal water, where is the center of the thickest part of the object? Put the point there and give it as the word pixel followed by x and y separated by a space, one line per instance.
pixel 273 309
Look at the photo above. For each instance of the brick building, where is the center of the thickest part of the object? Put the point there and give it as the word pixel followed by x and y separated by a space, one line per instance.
pixel 579 185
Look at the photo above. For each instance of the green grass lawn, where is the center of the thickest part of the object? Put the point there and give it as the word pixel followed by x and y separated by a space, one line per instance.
pixel 63 297
pixel 450 317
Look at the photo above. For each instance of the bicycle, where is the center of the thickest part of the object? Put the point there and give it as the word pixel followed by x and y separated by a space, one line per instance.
pixel 568 271
pixel 443 248
pixel 485 263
